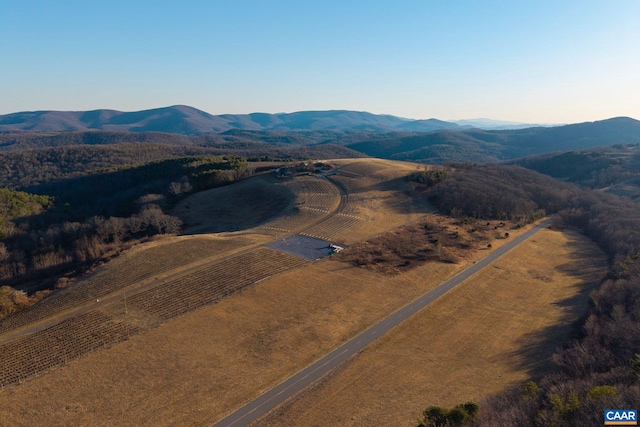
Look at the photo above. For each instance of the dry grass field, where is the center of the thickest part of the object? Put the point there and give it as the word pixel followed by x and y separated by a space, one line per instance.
pixel 196 368
pixel 148 261
pixel 206 359
pixel 494 331
pixel 242 205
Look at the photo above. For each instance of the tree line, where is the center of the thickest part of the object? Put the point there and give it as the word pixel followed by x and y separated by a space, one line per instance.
pixel 596 168
pixel 24 168
pixel 492 191
pixel 59 228
pixel 599 366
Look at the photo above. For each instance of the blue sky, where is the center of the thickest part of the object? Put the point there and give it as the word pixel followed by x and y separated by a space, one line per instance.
pixel 540 61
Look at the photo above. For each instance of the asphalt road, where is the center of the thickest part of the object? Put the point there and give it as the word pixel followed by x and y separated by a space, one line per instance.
pixel 277 395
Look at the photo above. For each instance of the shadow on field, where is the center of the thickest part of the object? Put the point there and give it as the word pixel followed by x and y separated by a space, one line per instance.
pixel 236 207
pixel 534 350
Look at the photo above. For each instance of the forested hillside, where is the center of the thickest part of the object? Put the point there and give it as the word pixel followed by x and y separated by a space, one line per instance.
pixel 61 226
pixel 500 192
pixel 599 367
pixel 597 168
pixel 246 143
pixel 23 168
pixel 316 133
pixel 485 146
pixel 182 119
pixel 28 167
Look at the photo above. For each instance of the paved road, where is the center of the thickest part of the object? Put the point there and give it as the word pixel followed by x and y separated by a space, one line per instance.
pixel 274 397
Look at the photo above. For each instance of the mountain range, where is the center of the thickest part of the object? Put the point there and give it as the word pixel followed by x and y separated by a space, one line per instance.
pixel 386 136
pixel 181 119
pixel 489 124
pixel 479 145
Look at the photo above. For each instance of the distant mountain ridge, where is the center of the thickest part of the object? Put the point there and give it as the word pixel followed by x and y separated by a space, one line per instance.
pixel 489 124
pixel 479 145
pixel 432 141
pixel 181 119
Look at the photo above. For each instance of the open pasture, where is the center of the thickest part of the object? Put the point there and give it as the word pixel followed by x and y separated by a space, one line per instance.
pixel 492 332
pixel 363 168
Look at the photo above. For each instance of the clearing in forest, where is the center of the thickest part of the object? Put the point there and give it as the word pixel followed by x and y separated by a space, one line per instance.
pixel 236 321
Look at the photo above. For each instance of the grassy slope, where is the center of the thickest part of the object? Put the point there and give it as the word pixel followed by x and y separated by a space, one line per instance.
pixel 496 330
pixel 194 369
pixel 198 367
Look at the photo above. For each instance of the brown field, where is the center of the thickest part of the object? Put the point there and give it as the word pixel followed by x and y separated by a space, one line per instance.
pixel 496 330
pixel 205 359
pixel 141 263
pixel 230 208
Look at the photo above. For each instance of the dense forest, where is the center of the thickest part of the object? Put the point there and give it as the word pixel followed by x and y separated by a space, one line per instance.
pixel 478 145
pixel 231 140
pixel 53 227
pixel 500 192
pixel 598 168
pixel 599 367
pixel 338 134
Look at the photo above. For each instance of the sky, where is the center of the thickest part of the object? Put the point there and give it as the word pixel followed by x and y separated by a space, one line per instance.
pixel 539 61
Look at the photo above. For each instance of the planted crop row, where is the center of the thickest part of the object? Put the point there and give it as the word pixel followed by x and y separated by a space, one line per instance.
pixel 118 274
pixel 212 283
pixel 315 185
pixel 363 168
pixel 321 201
pixel 295 220
pixel 38 352
pixel 332 227
pixel 352 183
pixel 353 205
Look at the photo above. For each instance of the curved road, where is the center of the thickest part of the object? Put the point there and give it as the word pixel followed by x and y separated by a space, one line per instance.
pixel 283 391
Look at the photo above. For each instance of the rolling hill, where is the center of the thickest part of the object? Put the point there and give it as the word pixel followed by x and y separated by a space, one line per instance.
pixel 384 136
pixel 186 120
pixel 493 145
